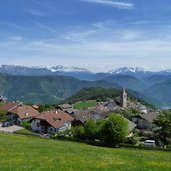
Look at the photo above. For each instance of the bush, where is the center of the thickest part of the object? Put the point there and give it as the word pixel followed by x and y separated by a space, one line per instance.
pixel 26 125
pixel 90 130
pixel 130 140
pixel 112 130
pixel 78 132
pixel 3 116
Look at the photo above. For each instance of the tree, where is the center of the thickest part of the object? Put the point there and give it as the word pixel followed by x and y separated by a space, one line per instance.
pixel 3 116
pixel 114 129
pixel 90 129
pixel 163 123
pixel 78 132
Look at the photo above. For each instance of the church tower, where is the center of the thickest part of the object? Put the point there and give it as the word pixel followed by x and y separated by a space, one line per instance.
pixel 123 98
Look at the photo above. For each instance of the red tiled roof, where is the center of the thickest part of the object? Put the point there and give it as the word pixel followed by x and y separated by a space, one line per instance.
pixel 8 106
pixel 55 118
pixel 24 111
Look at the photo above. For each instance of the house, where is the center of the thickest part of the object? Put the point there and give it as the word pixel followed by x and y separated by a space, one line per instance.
pixel 131 125
pixel 111 106
pixel 18 113
pixel 145 121
pixel 83 115
pixel 35 107
pixel 7 106
pixel 67 108
pixel 51 122
pixel 21 113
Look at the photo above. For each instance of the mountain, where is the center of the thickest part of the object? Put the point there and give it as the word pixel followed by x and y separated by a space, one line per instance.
pixel 127 70
pixel 160 93
pixel 157 78
pixel 52 84
pixel 80 73
pixel 137 72
pixel 165 72
pixel 44 89
pixel 100 76
pixel 61 68
pixel 128 81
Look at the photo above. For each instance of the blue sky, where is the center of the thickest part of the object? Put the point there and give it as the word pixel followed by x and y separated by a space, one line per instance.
pixel 97 34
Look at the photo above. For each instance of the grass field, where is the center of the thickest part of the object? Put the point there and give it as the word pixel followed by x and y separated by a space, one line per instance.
pixel 25 131
pixel 80 105
pixel 30 153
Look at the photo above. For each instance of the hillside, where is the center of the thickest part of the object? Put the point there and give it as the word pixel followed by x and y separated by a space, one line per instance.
pixel 127 81
pixel 161 93
pixel 154 79
pixel 30 153
pixel 94 93
pixel 102 94
pixel 44 89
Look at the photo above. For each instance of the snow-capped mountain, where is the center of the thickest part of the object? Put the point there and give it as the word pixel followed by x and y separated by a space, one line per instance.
pixel 61 68
pixel 24 69
pixel 80 73
pixel 128 70
pixel 137 71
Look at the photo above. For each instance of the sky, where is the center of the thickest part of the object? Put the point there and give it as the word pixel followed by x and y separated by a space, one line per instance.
pixel 96 34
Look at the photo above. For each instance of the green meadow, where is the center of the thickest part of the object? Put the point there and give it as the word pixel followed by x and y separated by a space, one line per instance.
pixel 31 153
pixel 82 104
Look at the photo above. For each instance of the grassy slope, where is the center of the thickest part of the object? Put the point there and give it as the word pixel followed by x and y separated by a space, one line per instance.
pixel 28 153
pixel 80 105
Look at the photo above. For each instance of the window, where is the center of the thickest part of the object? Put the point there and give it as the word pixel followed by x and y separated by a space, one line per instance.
pixel 38 124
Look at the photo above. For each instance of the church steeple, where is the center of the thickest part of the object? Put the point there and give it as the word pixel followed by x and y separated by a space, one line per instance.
pixel 123 98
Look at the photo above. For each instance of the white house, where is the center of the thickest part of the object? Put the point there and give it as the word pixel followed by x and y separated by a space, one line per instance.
pixel 18 113
pixel 51 122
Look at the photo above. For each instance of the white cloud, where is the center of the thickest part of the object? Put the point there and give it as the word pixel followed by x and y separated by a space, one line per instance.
pixel 113 3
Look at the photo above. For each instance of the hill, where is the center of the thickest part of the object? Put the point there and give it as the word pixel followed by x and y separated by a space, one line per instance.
pixel 102 94
pixel 31 153
pixel 161 93
pixel 94 93
pixel 127 81
pixel 154 79
pixel 44 89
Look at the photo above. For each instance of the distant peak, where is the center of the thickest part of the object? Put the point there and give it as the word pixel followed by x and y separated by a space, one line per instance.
pixel 58 68
pixel 128 70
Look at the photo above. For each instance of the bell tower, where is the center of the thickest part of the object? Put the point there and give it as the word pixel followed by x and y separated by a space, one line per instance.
pixel 123 98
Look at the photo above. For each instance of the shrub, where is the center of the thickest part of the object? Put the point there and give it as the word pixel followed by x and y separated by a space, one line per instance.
pixel 90 129
pixel 130 140
pixel 26 125
pixel 78 132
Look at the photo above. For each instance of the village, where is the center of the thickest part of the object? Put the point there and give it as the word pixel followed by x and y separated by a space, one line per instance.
pixel 65 116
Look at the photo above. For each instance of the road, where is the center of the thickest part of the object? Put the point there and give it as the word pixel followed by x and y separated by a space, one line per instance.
pixel 10 129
